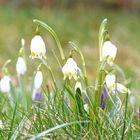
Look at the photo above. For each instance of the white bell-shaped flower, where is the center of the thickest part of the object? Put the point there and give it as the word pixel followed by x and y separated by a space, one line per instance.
pixel 5 84
pixel 70 69
pixel 109 51
pixel 121 88
pixel 1 124
pixel 38 48
pixel 38 80
pixel 86 107
pixel 78 85
pixel 110 80
pixel 21 66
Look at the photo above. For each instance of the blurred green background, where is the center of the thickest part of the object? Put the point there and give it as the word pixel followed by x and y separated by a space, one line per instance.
pixel 74 20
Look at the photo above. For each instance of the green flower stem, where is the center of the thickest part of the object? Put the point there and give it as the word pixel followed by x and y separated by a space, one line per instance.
pixel 52 32
pixel 50 70
pixel 4 68
pixel 124 125
pixel 83 61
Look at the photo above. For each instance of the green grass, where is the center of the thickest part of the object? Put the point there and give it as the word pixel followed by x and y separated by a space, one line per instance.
pixel 58 121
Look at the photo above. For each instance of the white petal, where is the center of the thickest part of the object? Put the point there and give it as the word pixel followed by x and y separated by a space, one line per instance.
pixel 78 85
pixel 38 80
pixel 5 84
pixel 109 50
pixel 110 81
pixel 38 46
pixel 21 66
pixel 1 124
pixel 121 88
pixel 86 107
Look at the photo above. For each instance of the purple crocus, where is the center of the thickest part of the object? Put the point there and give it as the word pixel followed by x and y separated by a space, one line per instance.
pixel 138 112
pixel 37 96
pixel 103 98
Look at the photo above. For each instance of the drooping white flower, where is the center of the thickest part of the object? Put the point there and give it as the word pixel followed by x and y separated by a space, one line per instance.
pixel 5 84
pixel 109 51
pixel 113 86
pixel 1 124
pixel 21 66
pixel 78 85
pixel 38 80
pixel 70 69
pixel 38 48
pixel 121 88
pixel 110 80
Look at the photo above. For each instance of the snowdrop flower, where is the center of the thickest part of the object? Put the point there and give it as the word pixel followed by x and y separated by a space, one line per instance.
pixel 38 49
pixel 38 80
pixel 1 124
pixel 70 69
pixel 21 66
pixel 121 88
pixel 5 84
pixel 110 80
pixel 112 85
pixel 78 85
pixel 109 51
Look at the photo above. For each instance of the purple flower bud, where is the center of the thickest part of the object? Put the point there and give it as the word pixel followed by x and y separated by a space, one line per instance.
pixel 138 112
pixel 37 96
pixel 103 98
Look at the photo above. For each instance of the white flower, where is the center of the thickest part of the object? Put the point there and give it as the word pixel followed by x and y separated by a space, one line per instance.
pixel 70 69
pixel 78 85
pixel 1 124
pixel 110 80
pixel 86 107
pixel 121 88
pixel 109 51
pixel 5 84
pixel 38 80
pixel 38 49
pixel 21 66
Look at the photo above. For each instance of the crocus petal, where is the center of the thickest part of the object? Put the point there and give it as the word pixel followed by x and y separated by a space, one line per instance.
pixel 103 99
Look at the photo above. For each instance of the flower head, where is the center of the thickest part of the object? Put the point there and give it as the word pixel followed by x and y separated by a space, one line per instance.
pixel 38 80
pixel 38 49
pixel 70 69
pixel 110 80
pixel 5 84
pixel 21 66
pixel 109 51
pixel 114 86
pixel 1 124
pixel 37 96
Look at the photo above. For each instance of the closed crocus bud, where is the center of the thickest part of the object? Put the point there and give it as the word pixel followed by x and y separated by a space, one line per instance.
pixel 103 99
pixel 78 85
pixel 121 88
pixel 110 80
pixel 38 80
pixel 21 66
pixel 38 48
pixel 5 84
pixel 70 69
pixel 109 51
